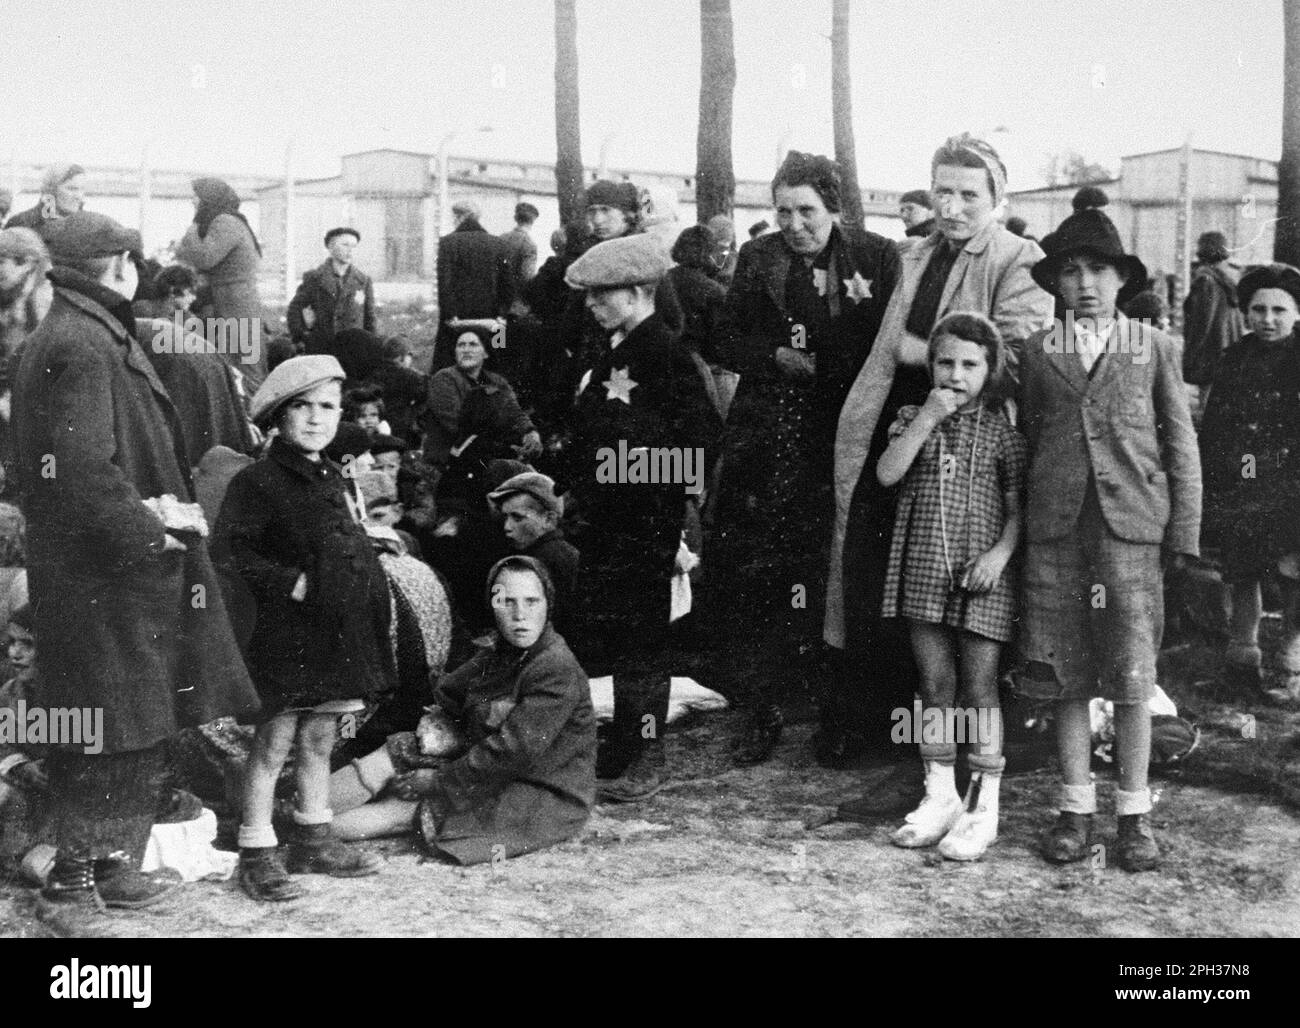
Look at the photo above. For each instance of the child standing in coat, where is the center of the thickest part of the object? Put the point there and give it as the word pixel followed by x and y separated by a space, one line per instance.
pixel 291 529
pixel 955 531
pixel 1114 486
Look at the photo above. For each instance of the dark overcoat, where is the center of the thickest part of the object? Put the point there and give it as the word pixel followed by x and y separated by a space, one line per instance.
pixel 122 624
pixel 283 516
pixel 528 779
pixel 338 304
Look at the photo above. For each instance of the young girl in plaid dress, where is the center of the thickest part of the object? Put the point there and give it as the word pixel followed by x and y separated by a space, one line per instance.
pixel 962 465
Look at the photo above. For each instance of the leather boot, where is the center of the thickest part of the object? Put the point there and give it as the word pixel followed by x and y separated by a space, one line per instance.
pixel 644 777
pixel 1070 838
pixel 263 877
pixel 1136 844
pixel 72 881
pixel 314 850
pixel 120 884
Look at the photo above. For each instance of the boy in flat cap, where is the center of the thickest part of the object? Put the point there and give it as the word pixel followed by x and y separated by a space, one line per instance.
pixel 530 514
pixel 124 596
pixel 639 392
pixel 333 297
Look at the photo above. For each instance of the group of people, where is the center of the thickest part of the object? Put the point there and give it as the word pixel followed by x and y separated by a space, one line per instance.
pixel 909 468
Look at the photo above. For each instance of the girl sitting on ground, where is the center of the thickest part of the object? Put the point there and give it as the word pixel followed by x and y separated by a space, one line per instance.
pixel 955 531
pixel 523 774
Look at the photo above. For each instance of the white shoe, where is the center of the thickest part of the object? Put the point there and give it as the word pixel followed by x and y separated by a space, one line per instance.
pixel 974 832
pixel 929 822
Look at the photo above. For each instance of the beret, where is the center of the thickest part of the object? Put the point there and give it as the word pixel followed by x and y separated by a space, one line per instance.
pixel 85 234
pixel 532 483
pixel 341 231
pixel 295 376
pixel 604 193
pixel 626 261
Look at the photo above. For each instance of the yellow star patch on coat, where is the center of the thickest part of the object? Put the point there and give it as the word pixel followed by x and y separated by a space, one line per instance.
pixel 857 287
pixel 619 386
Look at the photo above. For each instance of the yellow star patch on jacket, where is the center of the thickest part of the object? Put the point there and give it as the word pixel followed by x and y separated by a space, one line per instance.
pixel 857 287
pixel 619 386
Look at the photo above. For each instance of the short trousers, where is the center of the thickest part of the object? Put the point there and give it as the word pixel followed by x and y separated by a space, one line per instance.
pixel 1093 614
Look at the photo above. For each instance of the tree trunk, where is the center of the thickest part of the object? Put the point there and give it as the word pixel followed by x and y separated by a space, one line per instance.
pixel 568 131
pixel 715 178
pixel 842 107
pixel 1286 242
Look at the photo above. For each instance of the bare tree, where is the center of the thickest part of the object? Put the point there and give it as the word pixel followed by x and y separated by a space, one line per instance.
pixel 715 178
pixel 1069 168
pixel 1286 241
pixel 842 107
pixel 568 130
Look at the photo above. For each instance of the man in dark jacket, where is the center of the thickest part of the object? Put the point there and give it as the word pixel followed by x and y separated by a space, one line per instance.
pixel 521 251
pixel 474 279
pixel 1211 320
pixel 334 297
pixel 126 603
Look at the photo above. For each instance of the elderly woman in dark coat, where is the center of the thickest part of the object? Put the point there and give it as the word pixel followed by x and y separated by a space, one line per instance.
pixel 806 303
pixel 290 529
pixel 514 769
pixel 1250 456
pixel 220 243
pixel 127 605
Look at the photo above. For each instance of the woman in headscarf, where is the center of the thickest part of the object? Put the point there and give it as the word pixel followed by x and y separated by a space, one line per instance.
pixel 221 244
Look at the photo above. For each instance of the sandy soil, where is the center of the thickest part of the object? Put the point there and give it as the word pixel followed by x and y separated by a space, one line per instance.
pixel 748 852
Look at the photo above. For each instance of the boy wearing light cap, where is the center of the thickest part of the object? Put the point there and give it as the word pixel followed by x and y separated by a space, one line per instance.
pixel 639 390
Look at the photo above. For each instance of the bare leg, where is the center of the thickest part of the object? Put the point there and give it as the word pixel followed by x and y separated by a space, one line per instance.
pixel 1132 744
pixel 315 741
pixel 979 679
pixel 1247 606
pixel 1074 741
pixel 359 782
pixel 382 817
pixel 271 744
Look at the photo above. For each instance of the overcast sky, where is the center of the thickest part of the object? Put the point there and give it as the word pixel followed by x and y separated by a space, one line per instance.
pixel 224 85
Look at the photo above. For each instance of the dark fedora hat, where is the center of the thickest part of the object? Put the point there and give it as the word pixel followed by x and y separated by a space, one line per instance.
pixel 1088 231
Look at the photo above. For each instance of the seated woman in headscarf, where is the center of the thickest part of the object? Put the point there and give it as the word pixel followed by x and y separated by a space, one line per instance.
pixel 507 763
pixel 473 417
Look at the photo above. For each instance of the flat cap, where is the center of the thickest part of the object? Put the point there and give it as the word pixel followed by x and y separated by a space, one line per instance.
pixel 626 261
pixel 295 376
pixel 531 483
pixel 342 230
pixel 86 234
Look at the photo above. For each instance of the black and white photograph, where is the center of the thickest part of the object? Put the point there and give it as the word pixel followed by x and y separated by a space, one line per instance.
pixel 688 469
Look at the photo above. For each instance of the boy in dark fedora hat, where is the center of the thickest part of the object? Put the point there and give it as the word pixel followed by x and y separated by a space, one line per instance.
pixel 333 297
pixel 1114 486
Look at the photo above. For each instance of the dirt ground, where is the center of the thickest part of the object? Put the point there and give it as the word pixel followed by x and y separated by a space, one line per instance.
pixel 747 852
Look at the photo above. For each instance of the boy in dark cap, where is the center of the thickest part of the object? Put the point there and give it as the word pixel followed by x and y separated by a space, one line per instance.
pixel 638 390
pixel 118 563
pixel 1211 321
pixel 333 297
pixel 1114 492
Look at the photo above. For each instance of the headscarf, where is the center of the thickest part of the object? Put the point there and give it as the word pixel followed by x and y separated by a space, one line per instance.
pixel 216 197
pixel 981 151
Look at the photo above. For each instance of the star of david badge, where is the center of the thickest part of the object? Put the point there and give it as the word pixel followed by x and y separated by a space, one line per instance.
pixel 619 386
pixel 857 287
